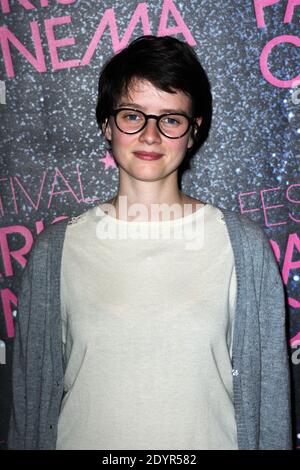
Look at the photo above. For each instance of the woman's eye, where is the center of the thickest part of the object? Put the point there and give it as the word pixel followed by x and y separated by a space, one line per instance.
pixel 171 121
pixel 131 117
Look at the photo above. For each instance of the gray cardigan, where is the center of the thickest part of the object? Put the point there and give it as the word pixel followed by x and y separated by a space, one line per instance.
pixel 260 369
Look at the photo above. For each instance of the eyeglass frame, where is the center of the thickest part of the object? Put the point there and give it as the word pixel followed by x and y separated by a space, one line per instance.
pixel 114 113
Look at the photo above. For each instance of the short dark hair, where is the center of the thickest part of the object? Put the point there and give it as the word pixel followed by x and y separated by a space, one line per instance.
pixel 166 62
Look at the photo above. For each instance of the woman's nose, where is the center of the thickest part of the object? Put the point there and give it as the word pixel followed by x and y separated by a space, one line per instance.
pixel 150 133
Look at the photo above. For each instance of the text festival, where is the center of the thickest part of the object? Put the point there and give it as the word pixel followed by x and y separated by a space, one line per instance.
pixel 169 11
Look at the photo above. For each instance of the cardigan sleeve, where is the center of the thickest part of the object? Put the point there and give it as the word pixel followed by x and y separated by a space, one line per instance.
pixel 37 377
pixel 275 408
pixel 24 345
pixel 17 424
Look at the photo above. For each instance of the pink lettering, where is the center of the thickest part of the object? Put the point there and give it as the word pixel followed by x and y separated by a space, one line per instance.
pixel 7 36
pixel 265 208
pixel 1 204
pixel 83 198
pixel 66 2
pixel 28 6
pixel 276 249
pixel 69 190
pixel 57 219
pixel 288 263
pixel 164 30
pixel 259 6
pixel 11 182
pixel 264 61
pixel 241 202
pixel 290 10
pixel 295 340
pixel 109 19
pixel 141 13
pixel 24 3
pixel 36 206
pixel 39 226
pixel 55 43
pixel 293 302
pixel 18 255
pixel 8 299
pixel 296 201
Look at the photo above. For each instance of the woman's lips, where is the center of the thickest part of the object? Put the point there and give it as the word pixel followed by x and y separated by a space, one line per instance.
pixel 148 155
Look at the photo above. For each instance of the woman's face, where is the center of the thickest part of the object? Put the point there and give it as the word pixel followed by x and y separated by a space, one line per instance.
pixel 126 148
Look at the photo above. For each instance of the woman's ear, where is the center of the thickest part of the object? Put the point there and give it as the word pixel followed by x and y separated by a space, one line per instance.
pixel 106 129
pixel 195 129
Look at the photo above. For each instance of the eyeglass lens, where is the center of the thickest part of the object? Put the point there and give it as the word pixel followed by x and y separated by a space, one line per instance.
pixel 172 125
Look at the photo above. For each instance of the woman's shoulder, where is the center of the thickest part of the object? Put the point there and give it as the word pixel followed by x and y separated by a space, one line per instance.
pixel 243 222
pixel 247 234
pixel 52 231
pixel 236 221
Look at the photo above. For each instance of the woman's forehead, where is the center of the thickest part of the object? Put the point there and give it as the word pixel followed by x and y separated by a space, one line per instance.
pixel 144 94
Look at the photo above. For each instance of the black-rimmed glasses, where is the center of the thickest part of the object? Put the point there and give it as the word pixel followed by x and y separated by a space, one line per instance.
pixel 172 125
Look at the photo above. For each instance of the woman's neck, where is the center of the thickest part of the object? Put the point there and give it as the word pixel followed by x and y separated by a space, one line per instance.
pixel 120 208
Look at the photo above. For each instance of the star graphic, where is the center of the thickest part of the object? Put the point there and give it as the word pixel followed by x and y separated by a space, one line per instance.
pixel 108 160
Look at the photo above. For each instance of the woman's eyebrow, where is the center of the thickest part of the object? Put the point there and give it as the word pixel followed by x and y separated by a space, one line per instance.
pixel 161 111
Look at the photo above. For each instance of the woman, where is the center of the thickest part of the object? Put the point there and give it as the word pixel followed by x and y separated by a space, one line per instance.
pixel 144 332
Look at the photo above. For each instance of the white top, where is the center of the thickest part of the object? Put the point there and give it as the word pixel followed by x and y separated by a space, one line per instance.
pixel 147 334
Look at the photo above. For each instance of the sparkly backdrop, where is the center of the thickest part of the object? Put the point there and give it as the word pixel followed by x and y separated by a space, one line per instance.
pixel 54 162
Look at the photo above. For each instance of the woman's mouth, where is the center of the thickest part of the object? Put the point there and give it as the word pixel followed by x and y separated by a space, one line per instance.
pixel 148 155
